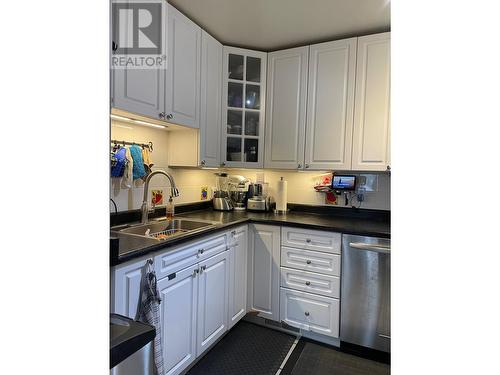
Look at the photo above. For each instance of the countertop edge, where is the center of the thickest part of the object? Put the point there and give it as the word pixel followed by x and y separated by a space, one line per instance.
pixel 117 260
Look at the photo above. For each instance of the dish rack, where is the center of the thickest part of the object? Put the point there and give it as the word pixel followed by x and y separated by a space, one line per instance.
pixel 164 234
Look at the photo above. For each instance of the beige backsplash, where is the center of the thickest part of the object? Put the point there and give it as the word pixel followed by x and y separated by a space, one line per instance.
pixel 190 181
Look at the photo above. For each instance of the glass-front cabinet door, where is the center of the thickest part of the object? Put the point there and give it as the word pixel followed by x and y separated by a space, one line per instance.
pixel 244 89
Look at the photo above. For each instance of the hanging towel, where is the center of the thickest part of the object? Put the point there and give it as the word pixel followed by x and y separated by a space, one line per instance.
pixel 149 312
pixel 119 165
pixel 127 173
pixel 148 164
pixel 138 168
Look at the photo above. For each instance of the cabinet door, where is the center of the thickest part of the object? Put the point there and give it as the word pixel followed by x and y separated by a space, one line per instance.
pixel 243 100
pixel 286 108
pixel 330 104
pixel 371 148
pixel 126 288
pixel 212 300
pixel 182 94
pixel 238 274
pixel 264 270
pixel 178 319
pixel 140 91
pixel 211 96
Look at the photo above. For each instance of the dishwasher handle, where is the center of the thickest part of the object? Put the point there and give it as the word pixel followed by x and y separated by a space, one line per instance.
pixel 370 247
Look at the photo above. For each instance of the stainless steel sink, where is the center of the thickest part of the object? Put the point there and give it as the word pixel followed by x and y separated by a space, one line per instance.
pixel 163 230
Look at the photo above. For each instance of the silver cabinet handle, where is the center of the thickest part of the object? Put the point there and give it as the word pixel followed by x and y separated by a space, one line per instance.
pixel 369 247
pixel 170 116
pixel 388 167
pixel 203 162
pixel 200 251
pixel 307 313
pixel 222 164
pixel 384 336
pixel 233 232
pixel 161 115
pixel 308 261
pixel 308 240
pixel 308 283
pixel 307 165
pixel 299 166
pixel 195 272
pixel 202 268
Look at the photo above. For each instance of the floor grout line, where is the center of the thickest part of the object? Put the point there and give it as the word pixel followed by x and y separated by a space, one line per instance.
pixel 288 356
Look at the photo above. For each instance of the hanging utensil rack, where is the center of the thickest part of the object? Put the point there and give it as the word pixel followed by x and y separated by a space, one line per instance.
pixel 148 145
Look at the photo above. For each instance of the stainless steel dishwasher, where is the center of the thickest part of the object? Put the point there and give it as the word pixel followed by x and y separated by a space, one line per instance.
pixel 366 292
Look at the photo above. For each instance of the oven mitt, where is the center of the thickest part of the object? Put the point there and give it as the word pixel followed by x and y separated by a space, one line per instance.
pixel 119 165
pixel 138 167
pixel 146 157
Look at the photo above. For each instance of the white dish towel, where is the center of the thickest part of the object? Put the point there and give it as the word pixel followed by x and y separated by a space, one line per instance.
pixel 149 312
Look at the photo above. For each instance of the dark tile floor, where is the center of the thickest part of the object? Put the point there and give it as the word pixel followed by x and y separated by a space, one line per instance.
pixel 316 359
pixel 249 349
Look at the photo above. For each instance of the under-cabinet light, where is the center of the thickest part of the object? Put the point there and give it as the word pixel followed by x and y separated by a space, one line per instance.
pixel 139 122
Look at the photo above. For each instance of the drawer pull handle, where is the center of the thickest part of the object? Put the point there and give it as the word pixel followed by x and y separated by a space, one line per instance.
pixel 307 313
pixel 308 240
pixel 308 261
pixel 308 283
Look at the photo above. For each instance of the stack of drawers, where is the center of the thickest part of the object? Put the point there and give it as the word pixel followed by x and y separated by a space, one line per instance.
pixel 310 280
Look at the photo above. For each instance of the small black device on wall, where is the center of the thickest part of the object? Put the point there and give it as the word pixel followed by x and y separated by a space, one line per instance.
pixel 343 182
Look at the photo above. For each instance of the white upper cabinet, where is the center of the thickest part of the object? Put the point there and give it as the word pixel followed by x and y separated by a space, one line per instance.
pixel 211 96
pixel 243 108
pixel 330 104
pixel 371 141
pixel 286 108
pixel 140 91
pixel 182 90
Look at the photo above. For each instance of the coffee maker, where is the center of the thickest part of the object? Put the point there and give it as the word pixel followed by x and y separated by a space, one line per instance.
pixel 221 200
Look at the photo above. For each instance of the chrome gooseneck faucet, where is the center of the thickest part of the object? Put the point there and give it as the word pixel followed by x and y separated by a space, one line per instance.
pixel 174 192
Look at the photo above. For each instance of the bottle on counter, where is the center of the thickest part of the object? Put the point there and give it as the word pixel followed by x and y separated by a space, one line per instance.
pixel 170 208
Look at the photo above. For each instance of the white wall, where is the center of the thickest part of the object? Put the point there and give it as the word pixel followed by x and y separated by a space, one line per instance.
pixel 190 181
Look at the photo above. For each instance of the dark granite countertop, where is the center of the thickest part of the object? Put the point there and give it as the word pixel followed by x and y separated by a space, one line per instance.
pixel 359 223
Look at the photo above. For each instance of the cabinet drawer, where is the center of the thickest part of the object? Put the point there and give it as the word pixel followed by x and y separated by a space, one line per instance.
pixel 326 285
pixel 187 255
pixel 310 312
pixel 313 261
pixel 311 239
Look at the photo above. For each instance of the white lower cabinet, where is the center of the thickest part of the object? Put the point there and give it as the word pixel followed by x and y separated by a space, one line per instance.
pixel 238 247
pixel 179 307
pixel 310 312
pixel 126 288
pixel 310 280
pixel 213 283
pixel 264 270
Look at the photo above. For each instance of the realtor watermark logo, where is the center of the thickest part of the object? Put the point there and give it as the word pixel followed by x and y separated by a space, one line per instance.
pixel 139 34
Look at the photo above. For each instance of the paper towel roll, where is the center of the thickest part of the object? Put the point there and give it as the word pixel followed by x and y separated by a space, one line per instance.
pixel 281 195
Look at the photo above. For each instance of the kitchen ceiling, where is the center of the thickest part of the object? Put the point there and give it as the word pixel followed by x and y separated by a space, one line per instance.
pixel 275 24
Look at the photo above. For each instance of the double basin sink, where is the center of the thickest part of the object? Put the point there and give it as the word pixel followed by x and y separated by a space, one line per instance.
pixel 164 229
